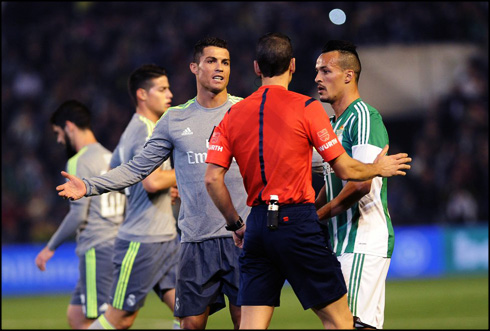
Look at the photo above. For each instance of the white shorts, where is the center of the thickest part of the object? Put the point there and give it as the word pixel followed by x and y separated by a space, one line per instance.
pixel 365 276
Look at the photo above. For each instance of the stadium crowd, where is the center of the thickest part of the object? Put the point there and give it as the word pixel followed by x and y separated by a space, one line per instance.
pixel 52 52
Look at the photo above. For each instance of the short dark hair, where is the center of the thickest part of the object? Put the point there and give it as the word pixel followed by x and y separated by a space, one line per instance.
pixel 349 57
pixel 206 42
pixel 141 77
pixel 73 111
pixel 274 52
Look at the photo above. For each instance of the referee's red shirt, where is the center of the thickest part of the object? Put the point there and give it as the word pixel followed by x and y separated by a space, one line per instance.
pixel 271 134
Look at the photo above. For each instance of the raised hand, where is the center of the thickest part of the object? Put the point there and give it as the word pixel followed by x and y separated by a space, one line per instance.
pixel 392 165
pixel 74 189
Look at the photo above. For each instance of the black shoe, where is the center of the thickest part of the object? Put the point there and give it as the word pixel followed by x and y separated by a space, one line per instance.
pixel 361 325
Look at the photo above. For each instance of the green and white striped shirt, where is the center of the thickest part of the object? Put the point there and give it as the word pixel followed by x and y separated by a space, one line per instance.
pixel 366 227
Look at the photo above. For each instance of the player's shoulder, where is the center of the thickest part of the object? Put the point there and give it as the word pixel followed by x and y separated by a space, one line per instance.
pixel 235 102
pixel 182 106
pixel 139 126
pixel 87 159
pixel 136 123
pixel 359 106
pixel 362 112
pixel 234 99
pixel 100 149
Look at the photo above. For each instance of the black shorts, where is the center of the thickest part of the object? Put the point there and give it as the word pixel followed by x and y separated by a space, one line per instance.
pixel 298 251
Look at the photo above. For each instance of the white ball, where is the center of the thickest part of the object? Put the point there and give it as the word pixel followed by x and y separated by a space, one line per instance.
pixel 337 16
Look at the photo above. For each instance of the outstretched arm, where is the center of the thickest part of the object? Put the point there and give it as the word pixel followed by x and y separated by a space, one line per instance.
pixel 73 189
pixel 384 165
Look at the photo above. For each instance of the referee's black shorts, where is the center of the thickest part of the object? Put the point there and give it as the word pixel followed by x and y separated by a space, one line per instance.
pixel 298 251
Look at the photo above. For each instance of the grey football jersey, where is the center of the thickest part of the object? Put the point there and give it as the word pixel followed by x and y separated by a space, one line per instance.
pixel 184 131
pixel 95 219
pixel 149 217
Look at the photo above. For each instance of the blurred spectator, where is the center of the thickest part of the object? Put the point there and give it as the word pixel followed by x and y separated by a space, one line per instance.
pixel 54 51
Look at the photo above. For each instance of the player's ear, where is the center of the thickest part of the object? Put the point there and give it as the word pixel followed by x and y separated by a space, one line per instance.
pixel 292 65
pixel 349 76
pixel 257 69
pixel 141 94
pixel 193 67
pixel 69 125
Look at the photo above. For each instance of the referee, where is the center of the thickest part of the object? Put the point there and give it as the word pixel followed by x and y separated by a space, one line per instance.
pixel 270 134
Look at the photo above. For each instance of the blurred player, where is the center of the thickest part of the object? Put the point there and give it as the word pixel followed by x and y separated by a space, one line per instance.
pixel 357 212
pixel 208 265
pixel 95 219
pixel 147 246
pixel 271 134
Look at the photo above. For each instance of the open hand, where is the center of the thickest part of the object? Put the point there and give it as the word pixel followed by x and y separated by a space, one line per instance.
pixel 74 189
pixel 392 165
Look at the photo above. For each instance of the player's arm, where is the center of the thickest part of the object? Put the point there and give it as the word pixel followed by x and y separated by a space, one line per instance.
pixel 67 228
pixel 216 187
pixel 156 150
pixel 327 144
pixel 159 180
pixel 321 198
pixel 385 165
pixel 350 194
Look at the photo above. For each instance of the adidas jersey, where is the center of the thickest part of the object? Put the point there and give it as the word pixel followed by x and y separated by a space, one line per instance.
pixel 95 219
pixel 184 131
pixel 366 227
pixel 149 217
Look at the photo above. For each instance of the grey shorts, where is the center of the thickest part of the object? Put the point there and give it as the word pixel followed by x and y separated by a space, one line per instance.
pixel 141 267
pixel 95 281
pixel 208 270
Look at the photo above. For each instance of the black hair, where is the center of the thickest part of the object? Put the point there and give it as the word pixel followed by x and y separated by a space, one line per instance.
pixel 206 42
pixel 274 53
pixel 349 57
pixel 141 78
pixel 73 111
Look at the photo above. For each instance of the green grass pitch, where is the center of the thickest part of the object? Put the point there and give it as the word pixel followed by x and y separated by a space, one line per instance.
pixel 448 303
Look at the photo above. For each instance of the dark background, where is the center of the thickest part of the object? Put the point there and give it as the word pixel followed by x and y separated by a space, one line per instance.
pixel 54 51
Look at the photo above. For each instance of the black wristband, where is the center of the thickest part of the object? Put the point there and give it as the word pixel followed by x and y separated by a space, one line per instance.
pixel 237 226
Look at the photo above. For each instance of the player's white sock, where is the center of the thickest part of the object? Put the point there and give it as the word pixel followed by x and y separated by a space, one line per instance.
pixel 101 323
pixel 176 325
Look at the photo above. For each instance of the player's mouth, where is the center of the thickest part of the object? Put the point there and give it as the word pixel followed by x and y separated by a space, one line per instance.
pixel 218 78
pixel 321 88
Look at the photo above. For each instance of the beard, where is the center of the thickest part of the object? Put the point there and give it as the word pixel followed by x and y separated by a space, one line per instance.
pixel 69 150
pixel 326 100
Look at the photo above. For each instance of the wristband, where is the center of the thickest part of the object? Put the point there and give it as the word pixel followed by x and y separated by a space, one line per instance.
pixel 236 226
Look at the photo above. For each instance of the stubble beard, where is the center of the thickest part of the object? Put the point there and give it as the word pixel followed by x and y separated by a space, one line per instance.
pixel 70 151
